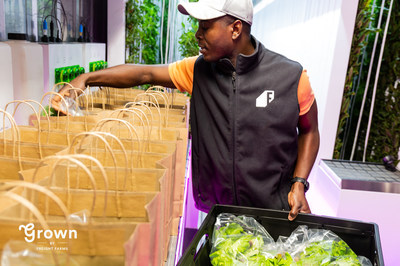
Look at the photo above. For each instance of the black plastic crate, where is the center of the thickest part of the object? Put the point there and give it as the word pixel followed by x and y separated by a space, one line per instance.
pixel 363 238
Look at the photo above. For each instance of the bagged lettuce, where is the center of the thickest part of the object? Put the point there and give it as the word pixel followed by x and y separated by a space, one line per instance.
pixel 243 241
pixel 318 247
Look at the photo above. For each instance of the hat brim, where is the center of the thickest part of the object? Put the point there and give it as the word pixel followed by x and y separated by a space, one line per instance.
pixel 199 11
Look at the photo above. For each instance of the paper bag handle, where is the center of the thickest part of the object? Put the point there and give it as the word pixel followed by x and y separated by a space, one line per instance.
pixel 140 95
pixel 37 117
pixel 27 204
pixel 121 111
pixel 60 83
pixel 33 209
pixel 14 128
pixel 58 159
pixel 58 112
pixel 131 129
pixel 157 88
pixel 165 98
pixel 131 105
pixel 98 135
pixel 106 100
pixel 91 95
pixel 87 104
pixel 159 115
pixel 50 194
pixel 149 123
pixel 99 165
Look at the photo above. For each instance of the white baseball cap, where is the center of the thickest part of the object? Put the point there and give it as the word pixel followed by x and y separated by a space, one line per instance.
pixel 210 9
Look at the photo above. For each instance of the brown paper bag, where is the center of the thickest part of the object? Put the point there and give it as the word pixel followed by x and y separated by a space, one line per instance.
pixel 136 179
pixel 16 155
pixel 167 184
pixel 9 167
pixel 92 233
pixel 83 239
pixel 95 239
pixel 180 166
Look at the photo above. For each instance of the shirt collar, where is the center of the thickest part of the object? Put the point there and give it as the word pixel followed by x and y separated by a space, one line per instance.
pixel 244 63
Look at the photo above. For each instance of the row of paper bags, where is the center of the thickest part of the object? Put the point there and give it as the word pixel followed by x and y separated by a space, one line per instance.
pixel 104 188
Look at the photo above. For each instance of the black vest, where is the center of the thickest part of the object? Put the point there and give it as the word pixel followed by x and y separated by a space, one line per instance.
pixel 244 130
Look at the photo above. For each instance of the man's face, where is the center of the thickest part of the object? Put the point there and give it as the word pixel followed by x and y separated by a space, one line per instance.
pixel 215 39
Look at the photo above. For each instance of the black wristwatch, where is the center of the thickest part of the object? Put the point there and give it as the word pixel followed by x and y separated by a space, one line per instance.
pixel 301 180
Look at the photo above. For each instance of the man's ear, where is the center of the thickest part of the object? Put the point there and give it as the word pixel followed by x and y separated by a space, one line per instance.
pixel 237 27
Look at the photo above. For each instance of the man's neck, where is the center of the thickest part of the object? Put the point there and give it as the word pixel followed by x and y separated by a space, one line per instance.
pixel 245 46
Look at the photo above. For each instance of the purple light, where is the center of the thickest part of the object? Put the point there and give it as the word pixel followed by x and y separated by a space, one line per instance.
pixel 189 217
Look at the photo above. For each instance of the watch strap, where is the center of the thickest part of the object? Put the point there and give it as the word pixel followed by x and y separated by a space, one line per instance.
pixel 301 180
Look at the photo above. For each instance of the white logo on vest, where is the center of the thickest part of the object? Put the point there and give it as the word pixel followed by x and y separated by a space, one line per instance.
pixel 265 98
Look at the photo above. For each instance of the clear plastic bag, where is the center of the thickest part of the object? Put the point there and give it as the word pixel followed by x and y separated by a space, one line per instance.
pixel 81 217
pixel 239 240
pixel 72 107
pixel 22 253
pixel 318 247
pixel 243 241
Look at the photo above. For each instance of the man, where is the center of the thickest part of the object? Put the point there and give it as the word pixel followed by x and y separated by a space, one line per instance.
pixel 253 113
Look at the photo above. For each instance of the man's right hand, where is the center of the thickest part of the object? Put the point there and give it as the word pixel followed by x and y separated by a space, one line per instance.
pixel 121 76
pixel 68 91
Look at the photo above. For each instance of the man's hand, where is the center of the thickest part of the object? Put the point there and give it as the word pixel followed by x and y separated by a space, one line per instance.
pixel 69 91
pixel 297 201
pixel 121 76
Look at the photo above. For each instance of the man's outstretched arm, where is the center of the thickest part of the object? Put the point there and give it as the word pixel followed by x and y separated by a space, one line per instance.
pixel 121 76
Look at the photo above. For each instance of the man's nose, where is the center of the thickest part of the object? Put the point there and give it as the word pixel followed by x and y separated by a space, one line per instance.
pixel 198 34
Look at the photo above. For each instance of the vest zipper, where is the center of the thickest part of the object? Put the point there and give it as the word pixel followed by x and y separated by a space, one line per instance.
pixel 234 138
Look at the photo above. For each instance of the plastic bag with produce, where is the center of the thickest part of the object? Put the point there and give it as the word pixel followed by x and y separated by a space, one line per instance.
pixel 241 240
pixel 318 247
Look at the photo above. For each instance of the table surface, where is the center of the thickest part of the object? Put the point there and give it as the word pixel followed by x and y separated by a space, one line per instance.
pixel 365 176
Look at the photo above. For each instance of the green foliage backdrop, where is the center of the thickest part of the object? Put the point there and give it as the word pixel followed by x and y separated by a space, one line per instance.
pixel 142 32
pixel 385 130
pixel 384 136
pixel 358 47
pixel 187 41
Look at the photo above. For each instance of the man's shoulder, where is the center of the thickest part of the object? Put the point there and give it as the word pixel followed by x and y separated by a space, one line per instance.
pixel 200 63
pixel 190 60
pixel 200 59
pixel 277 58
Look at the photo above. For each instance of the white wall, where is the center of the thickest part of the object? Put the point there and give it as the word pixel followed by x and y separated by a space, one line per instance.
pixel 115 32
pixel 317 34
pixel 6 76
pixel 27 71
